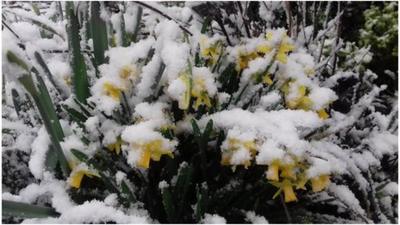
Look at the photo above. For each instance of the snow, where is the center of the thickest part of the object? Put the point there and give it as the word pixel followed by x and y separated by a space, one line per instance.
pixel 347 197
pixel 40 147
pixel 282 126
pixel 253 218
pixel 270 99
pixel 213 219
pixel 93 212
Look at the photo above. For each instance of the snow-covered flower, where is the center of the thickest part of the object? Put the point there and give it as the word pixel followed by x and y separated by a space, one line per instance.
pixel 78 172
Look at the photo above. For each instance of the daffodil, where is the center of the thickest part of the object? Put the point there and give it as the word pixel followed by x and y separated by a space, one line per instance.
pixel 287 187
pixel 112 91
pixel 283 49
pixel 267 79
pixel 302 101
pixel 210 51
pixel 234 145
pixel 151 150
pixel 128 71
pixel 116 146
pixel 286 169
pixel 320 183
pixel 323 114
pixel 78 172
pixel 200 93
pixel 244 59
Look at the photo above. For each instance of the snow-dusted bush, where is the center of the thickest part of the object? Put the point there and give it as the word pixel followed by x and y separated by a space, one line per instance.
pixel 134 112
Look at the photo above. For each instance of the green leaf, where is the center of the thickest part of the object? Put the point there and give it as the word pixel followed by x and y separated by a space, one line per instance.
pixel 206 23
pixel 124 35
pixel 207 131
pixel 169 206
pixel 51 158
pixel 46 109
pixel 11 57
pixel 24 210
pixel 182 186
pixel 16 101
pixel 196 129
pixel 79 155
pixel 52 123
pixel 137 25
pixel 46 70
pixel 98 33
pixel 201 204
pixel 128 193
pixel 80 78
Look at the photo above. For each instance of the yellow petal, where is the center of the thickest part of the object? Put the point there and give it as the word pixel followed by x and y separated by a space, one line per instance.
pixel 305 103
pixel 287 171
pixel 320 183
pixel 75 179
pixel 127 71
pixel 290 196
pixel 323 114
pixel 112 91
pixel 267 79
pixel 273 171
pixel 144 160
pixel 263 48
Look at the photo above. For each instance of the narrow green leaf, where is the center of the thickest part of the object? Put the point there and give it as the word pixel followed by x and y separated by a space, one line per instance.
pixel 24 210
pixel 182 186
pixel 137 25
pixel 46 70
pixel 51 158
pixel 16 101
pixel 196 129
pixel 168 203
pixel 79 155
pixel 207 130
pixel 201 204
pixel 80 78
pixel 98 33
pixel 11 57
pixel 52 123
pixel 124 35
pixel 127 191
pixel 206 23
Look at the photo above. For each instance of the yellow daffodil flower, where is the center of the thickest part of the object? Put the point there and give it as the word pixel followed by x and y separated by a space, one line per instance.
pixel 273 171
pixel 77 174
pixel 267 79
pixel 320 183
pixel 244 59
pixel 115 147
pixel 302 101
pixel 235 144
pixel 112 91
pixel 210 51
pixel 128 71
pixel 287 170
pixel 287 187
pixel 199 92
pixel 151 150
pixel 283 49
pixel 323 114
